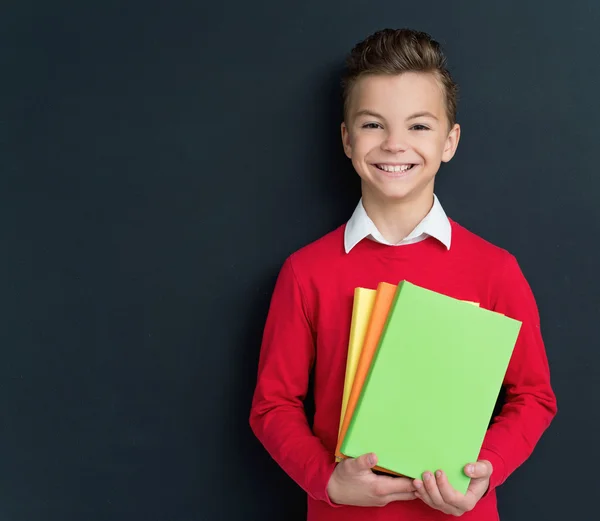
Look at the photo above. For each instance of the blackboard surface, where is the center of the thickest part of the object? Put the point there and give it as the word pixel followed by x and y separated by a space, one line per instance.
pixel 158 162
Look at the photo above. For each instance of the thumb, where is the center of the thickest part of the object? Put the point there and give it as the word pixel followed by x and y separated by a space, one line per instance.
pixel 481 469
pixel 364 462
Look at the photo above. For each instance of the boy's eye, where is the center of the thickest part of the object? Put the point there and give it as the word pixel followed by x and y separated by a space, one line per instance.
pixel 371 125
pixel 419 127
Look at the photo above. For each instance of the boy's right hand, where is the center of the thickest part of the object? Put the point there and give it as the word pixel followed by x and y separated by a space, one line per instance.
pixel 354 483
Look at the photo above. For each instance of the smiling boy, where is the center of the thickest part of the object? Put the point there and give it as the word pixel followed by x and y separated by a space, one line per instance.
pixel 399 126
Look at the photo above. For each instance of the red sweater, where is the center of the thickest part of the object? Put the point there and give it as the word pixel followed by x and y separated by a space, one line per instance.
pixel 307 329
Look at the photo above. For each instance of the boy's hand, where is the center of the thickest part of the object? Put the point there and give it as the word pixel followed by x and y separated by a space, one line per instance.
pixel 436 491
pixel 354 483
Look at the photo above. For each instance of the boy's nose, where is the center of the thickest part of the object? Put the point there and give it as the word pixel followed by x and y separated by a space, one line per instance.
pixel 394 144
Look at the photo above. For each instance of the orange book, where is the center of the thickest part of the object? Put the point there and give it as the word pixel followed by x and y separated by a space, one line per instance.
pixel 381 307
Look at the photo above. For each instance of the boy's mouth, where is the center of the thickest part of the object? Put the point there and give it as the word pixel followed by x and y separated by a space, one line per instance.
pixel 395 168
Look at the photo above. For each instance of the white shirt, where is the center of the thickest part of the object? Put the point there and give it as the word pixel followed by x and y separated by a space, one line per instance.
pixel 434 224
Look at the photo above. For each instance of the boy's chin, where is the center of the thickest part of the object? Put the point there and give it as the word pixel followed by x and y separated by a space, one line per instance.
pixel 389 194
pixel 399 196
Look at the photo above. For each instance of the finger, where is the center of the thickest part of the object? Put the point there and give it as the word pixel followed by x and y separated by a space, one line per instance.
pixel 421 493
pixel 400 496
pixel 430 485
pixel 480 470
pixel 418 484
pixel 449 494
pixel 362 463
pixel 385 485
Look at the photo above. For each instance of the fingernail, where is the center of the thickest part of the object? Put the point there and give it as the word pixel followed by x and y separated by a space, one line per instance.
pixel 427 476
pixel 418 484
pixel 372 459
pixel 438 473
pixel 471 469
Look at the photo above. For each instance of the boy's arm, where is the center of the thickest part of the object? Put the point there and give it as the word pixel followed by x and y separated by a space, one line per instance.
pixel 277 416
pixel 530 403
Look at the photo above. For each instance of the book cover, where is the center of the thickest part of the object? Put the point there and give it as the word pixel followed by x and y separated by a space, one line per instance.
pixel 364 302
pixel 433 383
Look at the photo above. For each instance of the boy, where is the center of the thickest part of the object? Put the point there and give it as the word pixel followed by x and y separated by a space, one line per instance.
pixel 399 125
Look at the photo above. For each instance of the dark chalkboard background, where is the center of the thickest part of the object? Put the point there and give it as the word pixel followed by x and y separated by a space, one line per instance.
pixel 159 160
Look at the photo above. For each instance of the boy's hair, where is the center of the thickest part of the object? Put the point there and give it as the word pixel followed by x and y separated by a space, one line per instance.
pixel 394 51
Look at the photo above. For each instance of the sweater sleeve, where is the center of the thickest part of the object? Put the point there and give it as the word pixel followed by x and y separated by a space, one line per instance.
pixel 277 415
pixel 530 403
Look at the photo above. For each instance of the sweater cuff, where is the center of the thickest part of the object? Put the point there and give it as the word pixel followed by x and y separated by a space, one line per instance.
pixel 499 471
pixel 321 486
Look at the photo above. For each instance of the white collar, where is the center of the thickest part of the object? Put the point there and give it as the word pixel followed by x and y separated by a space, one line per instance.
pixel 435 224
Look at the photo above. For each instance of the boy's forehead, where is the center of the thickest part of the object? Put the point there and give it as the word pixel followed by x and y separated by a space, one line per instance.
pixel 398 94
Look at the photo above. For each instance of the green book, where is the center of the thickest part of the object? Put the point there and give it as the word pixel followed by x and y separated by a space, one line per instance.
pixel 432 385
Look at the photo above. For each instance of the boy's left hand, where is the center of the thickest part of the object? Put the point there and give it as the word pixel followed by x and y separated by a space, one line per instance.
pixel 436 491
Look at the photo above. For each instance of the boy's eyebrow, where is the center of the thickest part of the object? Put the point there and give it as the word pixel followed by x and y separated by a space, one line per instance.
pixel 423 114
pixel 367 112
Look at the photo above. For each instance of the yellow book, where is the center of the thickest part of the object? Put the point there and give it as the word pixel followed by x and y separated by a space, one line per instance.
pixel 361 313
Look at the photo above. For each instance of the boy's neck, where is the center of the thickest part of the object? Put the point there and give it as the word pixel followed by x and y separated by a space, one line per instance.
pixel 395 221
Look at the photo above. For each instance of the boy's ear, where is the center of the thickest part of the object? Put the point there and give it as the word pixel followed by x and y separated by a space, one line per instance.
pixel 346 140
pixel 451 143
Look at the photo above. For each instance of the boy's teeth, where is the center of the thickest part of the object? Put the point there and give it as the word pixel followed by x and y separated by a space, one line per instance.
pixel 395 168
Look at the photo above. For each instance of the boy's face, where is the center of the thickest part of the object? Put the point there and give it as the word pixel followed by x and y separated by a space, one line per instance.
pixel 397 134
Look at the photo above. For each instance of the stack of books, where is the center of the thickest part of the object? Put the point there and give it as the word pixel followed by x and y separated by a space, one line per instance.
pixel 423 374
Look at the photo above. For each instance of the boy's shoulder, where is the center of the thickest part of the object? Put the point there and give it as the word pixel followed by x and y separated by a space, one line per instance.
pixel 321 252
pixel 479 248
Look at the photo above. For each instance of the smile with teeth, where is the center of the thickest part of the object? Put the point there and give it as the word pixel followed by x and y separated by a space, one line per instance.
pixel 394 168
